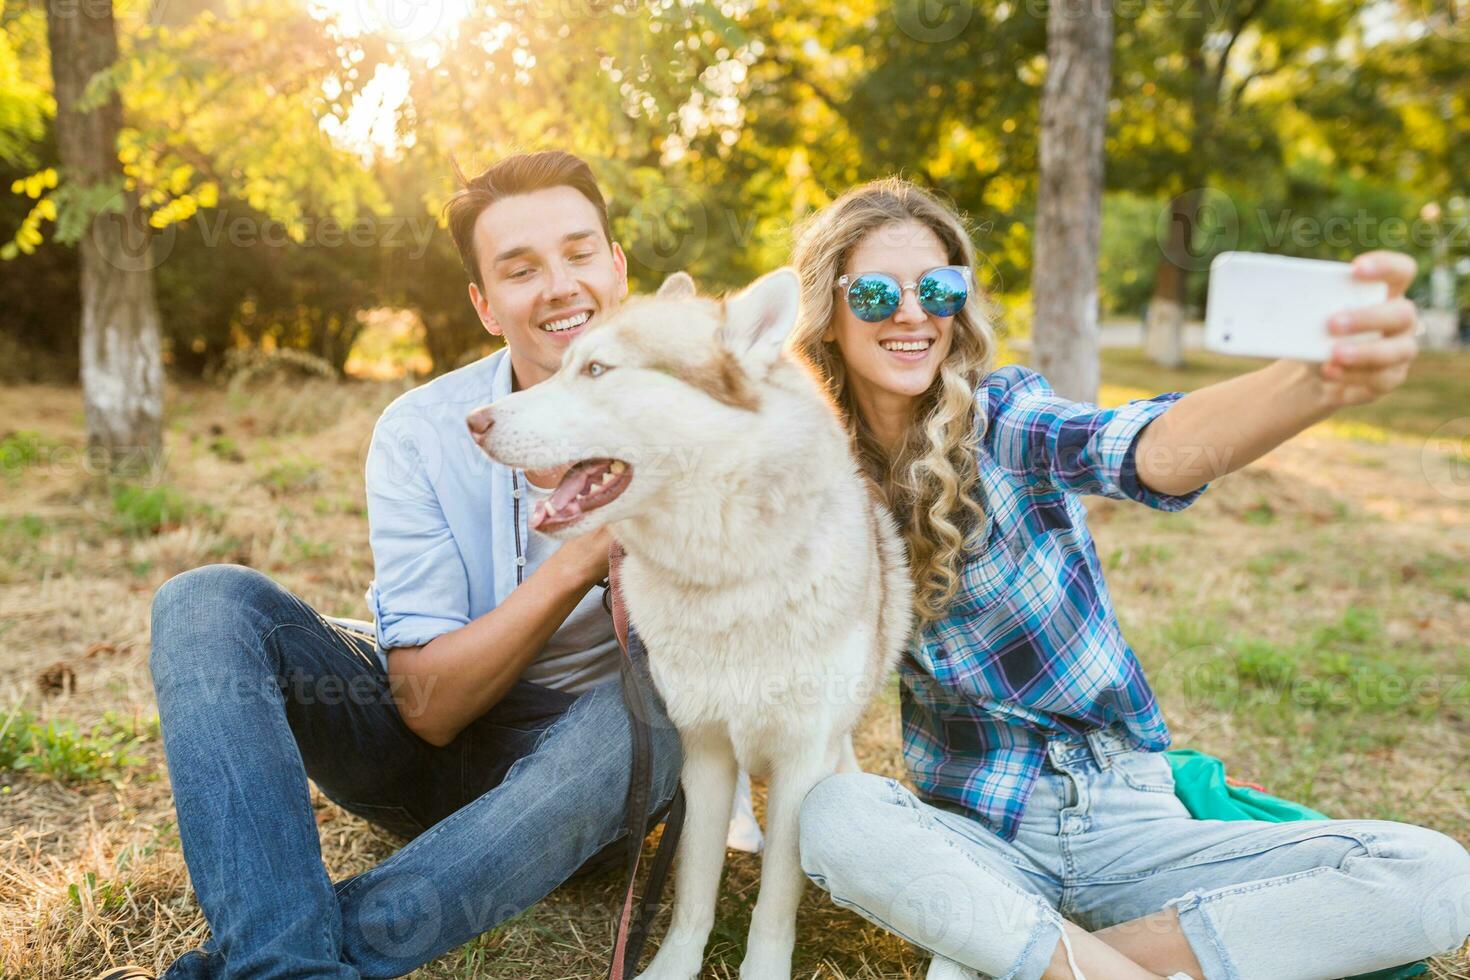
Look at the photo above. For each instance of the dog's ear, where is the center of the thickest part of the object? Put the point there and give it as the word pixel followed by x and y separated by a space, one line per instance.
pixel 759 318
pixel 680 285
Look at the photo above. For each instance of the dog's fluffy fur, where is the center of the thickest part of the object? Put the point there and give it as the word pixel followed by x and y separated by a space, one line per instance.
pixel 766 580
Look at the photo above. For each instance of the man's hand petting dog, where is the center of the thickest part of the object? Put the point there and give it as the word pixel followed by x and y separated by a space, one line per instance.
pixel 588 555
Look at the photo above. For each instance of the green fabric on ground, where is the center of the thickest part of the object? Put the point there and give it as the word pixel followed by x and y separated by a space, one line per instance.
pixel 1199 782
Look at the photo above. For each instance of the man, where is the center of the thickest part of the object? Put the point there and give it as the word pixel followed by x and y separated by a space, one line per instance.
pixel 480 714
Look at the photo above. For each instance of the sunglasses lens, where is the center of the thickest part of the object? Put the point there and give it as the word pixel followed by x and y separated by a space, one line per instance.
pixel 873 297
pixel 943 292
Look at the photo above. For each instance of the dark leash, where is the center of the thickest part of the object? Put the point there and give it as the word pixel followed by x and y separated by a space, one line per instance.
pixel 632 931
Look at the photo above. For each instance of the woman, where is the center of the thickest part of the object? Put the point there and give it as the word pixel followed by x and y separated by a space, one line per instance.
pixel 1045 805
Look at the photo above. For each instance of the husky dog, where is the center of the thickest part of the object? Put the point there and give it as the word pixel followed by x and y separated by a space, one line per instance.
pixel 767 581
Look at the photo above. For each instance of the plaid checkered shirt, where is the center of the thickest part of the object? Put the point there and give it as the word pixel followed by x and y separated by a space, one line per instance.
pixel 1031 647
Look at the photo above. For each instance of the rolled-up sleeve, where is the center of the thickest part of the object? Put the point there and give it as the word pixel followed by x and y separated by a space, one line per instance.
pixel 420 588
pixel 1075 446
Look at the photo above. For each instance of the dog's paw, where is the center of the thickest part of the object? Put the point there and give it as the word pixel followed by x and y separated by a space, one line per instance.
pixel 766 962
pixel 674 963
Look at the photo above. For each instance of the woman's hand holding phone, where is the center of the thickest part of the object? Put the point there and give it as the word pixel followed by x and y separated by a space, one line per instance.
pixel 1350 321
pixel 1360 372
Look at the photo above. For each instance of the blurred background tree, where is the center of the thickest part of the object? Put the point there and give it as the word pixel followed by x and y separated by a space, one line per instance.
pixel 292 157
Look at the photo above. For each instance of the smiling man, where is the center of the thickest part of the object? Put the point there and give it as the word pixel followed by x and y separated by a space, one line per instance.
pixel 480 714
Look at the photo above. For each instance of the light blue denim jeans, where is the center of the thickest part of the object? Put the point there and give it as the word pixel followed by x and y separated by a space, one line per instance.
pixel 1105 840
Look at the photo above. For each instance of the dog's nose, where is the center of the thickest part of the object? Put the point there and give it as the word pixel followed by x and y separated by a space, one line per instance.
pixel 480 421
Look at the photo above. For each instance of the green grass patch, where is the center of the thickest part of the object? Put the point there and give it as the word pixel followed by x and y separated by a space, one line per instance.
pixel 1343 668
pixel 19 450
pixel 1273 562
pixel 23 449
pixel 1441 572
pixel 64 752
pixel 290 477
pixel 1138 556
pixel 1358 629
pixel 1190 631
pixel 1260 514
pixel 340 504
pixel 22 551
pixel 105 895
pixel 142 511
pixel 226 449
pixel 309 550
pixel 21 529
pixel 1261 664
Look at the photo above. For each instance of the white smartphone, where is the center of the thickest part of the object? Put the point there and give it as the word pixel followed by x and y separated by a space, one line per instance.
pixel 1277 306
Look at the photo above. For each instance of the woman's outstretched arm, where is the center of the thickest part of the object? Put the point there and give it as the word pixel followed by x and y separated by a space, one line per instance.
pixel 1221 428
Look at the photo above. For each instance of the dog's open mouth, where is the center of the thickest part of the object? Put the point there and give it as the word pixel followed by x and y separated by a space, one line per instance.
pixel 588 485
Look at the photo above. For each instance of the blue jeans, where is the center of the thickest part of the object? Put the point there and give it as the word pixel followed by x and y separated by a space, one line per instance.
pixel 1104 840
pixel 257 693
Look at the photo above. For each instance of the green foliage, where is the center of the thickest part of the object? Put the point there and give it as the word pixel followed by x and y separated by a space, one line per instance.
pixel 714 129
pixel 140 511
pixel 19 450
pixel 1129 253
pixel 25 104
pixel 59 749
pixel 142 728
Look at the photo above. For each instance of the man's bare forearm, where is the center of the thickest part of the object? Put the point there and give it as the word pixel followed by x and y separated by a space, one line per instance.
pixel 1222 427
pixel 455 678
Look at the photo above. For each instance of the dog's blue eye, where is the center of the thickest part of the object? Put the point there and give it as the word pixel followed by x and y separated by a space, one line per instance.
pixel 594 369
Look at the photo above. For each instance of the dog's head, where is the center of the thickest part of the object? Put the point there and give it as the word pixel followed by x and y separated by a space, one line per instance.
pixel 640 400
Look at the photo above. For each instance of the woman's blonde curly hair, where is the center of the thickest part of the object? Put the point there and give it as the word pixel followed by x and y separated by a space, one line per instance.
pixel 931 482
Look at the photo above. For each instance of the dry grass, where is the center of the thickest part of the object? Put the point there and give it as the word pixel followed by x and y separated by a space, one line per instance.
pixel 1337 553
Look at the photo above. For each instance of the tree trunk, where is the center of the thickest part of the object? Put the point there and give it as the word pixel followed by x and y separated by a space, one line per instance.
pixel 1164 328
pixel 1074 115
pixel 121 356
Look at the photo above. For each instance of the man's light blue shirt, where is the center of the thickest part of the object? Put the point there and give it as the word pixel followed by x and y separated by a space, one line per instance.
pixel 443 518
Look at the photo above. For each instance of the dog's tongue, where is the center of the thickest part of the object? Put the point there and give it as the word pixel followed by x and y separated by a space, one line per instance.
pixel 562 506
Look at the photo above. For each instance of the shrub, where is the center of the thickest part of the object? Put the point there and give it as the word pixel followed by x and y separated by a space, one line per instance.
pixel 245 367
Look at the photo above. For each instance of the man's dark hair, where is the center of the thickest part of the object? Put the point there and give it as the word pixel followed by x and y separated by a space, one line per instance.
pixel 519 174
